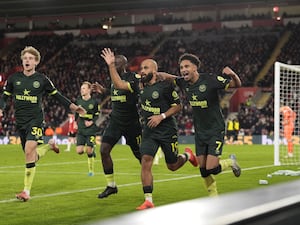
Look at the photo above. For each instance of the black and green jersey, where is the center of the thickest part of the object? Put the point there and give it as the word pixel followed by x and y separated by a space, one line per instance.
pixel 27 93
pixel 157 99
pixel 92 111
pixel 204 99
pixel 124 103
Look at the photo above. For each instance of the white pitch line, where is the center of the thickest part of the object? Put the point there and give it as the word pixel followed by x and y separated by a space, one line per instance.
pixel 96 173
pixel 125 185
pixel 51 164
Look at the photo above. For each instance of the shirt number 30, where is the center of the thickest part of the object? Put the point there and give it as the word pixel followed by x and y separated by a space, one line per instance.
pixel 37 131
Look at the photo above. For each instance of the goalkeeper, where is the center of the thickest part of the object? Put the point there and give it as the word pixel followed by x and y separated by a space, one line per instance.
pixel 288 120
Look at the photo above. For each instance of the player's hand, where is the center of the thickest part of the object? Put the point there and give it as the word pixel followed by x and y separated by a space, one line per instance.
pixel 96 87
pixel 108 56
pixel 235 80
pixel 88 123
pixel 154 121
pixel 1 113
pixel 228 71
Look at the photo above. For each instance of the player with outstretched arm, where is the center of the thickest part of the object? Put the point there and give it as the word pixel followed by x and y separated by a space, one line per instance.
pixel 124 119
pixel 27 89
pixel 202 93
pixel 159 102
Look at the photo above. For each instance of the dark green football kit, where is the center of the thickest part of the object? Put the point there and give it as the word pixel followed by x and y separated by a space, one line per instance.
pixel 157 99
pixel 87 135
pixel 124 118
pixel 207 115
pixel 27 93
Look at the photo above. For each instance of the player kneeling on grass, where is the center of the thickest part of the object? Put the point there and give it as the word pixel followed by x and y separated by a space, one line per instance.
pixel 27 89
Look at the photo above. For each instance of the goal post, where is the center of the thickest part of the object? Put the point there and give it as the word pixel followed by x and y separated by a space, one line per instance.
pixel 286 114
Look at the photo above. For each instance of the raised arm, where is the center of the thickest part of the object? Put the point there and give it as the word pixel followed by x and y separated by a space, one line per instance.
pixel 109 58
pixel 98 88
pixel 235 80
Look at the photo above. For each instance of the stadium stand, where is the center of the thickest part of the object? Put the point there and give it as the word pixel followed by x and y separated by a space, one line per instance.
pixel 69 56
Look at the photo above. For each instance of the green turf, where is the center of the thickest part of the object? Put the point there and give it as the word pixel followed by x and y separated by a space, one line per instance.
pixel 62 192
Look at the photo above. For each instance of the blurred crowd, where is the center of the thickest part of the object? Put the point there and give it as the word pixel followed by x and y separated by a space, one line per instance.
pixel 69 60
pixel 63 23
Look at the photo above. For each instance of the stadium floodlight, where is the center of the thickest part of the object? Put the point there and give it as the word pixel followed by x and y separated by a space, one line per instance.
pixel 286 93
pixel 105 27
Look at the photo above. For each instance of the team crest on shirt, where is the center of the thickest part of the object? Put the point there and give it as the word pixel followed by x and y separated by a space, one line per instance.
pixel 202 88
pixel 138 76
pixel 91 106
pixel 18 83
pixel 155 95
pixel 36 84
pixel 221 79
pixel 175 95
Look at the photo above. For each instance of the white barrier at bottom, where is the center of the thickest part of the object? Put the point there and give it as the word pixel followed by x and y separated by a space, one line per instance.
pixel 222 210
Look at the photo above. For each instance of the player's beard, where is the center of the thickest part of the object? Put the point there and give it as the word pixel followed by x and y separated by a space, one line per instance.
pixel 145 79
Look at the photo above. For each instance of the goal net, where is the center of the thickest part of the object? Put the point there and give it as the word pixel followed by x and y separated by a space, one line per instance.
pixel 286 114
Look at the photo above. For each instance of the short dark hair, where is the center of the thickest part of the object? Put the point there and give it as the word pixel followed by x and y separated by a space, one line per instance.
pixel 191 57
pixel 121 63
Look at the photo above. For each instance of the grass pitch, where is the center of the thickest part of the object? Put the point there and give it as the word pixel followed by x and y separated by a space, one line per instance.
pixel 63 194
